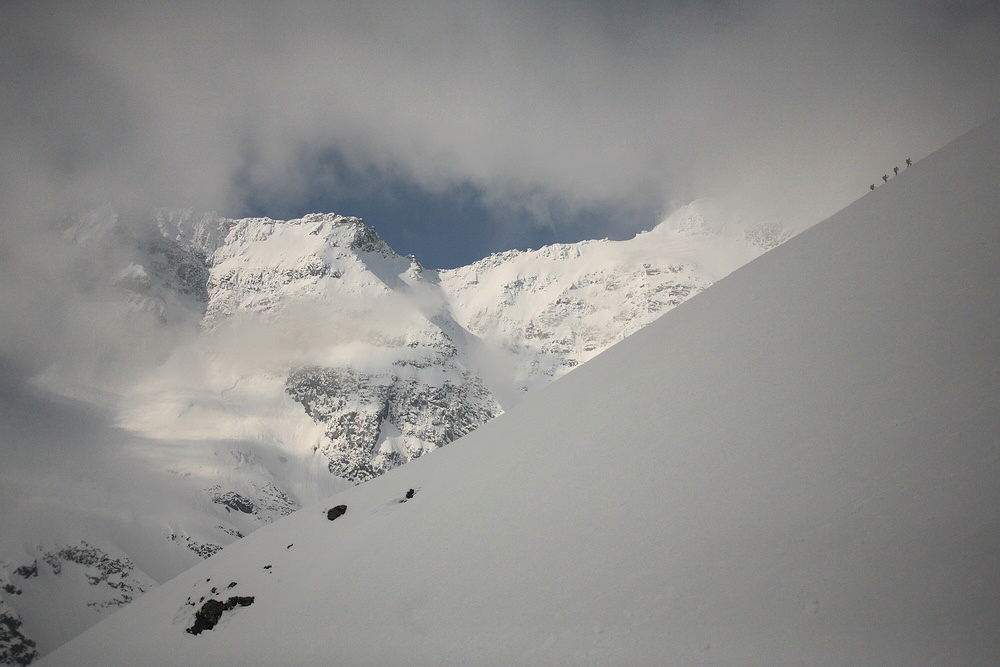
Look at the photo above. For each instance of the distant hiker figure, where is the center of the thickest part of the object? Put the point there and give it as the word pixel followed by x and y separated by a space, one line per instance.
pixel 895 170
pixel 873 186
pixel 885 178
pixel 909 162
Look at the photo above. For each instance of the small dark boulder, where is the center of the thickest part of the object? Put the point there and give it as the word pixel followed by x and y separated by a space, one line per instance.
pixel 336 512
pixel 208 616
pixel 410 494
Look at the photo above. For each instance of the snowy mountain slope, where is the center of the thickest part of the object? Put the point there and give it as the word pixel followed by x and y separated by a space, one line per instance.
pixel 394 360
pixel 406 393
pixel 547 311
pixel 811 479
pixel 323 299
pixel 94 515
pixel 251 367
pixel 391 360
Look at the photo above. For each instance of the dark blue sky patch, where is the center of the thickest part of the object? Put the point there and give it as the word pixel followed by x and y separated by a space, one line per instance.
pixel 443 229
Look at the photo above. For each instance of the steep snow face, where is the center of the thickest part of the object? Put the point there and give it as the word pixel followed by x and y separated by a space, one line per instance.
pixel 811 478
pixel 274 363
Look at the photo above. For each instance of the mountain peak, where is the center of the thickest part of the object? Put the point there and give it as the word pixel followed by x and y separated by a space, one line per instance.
pixel 797 467
pixel 347 231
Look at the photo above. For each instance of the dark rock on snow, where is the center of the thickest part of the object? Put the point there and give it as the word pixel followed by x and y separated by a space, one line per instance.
pixel 208 616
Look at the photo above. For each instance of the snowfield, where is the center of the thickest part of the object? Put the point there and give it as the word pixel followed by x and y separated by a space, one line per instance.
pixel 800 465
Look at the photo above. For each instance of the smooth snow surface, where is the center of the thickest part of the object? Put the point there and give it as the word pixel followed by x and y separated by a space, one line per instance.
pixel 798 466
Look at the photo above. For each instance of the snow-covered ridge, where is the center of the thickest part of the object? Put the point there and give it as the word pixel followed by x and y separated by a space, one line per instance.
pixel 556 307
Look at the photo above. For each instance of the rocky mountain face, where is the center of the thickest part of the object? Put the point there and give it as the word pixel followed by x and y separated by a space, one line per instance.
pixel 409 394
pixel 377 421
pixel 110 582
pixel 295 358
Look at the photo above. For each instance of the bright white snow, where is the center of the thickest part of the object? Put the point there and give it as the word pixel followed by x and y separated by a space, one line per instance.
pixel 798 466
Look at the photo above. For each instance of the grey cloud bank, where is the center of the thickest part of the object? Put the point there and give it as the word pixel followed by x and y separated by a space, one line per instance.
pixel 778 108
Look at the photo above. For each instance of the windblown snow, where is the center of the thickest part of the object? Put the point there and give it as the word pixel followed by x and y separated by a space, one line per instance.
pixel 799 466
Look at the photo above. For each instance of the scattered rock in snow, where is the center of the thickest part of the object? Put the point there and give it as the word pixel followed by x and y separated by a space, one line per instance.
pixel 15 647
pixel 336 512
pixel 203 549
pixel 233 501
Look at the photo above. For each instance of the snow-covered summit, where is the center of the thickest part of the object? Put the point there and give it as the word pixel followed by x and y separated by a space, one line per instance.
pixel 799 466
pixel 264 263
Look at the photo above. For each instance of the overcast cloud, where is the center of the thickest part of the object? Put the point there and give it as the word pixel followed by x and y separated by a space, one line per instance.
pixel 780 108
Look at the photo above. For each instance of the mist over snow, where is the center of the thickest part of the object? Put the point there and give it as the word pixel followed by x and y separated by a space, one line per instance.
pixel 811 478
pixel 554 122
pixel 156 390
